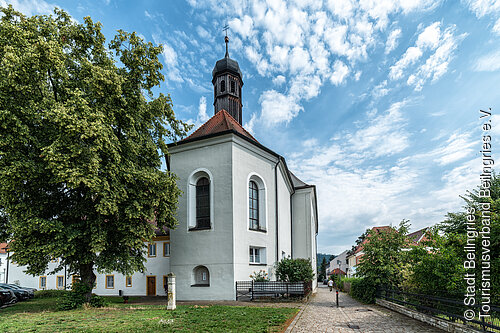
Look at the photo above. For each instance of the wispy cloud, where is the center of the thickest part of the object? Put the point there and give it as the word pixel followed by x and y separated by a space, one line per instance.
pixel 30 7
pixel 309 41
pixel 440 43
pixel 488 63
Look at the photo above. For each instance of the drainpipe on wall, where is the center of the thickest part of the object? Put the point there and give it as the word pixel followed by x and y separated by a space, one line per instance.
pixel 7 273
pixel 276 197
pixel 291 226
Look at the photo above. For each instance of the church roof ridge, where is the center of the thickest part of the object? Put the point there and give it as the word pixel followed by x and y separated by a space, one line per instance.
pixel 220 122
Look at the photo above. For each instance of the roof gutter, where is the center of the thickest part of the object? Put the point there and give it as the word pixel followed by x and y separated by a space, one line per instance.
pixel 276 206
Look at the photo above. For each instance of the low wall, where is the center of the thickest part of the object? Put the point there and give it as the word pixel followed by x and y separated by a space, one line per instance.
pixel 434 321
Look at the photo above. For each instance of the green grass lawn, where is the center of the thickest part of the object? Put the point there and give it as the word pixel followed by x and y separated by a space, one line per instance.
pixel 40 315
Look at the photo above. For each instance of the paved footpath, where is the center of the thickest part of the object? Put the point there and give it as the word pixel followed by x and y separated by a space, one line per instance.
pixel 321 315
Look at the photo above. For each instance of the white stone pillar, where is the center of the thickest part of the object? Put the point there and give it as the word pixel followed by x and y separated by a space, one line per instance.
pixel 171 291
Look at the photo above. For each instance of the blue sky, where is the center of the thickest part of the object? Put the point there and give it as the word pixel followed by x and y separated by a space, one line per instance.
pixel 375 102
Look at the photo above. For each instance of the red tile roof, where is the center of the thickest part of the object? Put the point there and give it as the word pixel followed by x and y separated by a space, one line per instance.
pixel 377 230
pixel 3 247
pixel 336 272
pixel 220 122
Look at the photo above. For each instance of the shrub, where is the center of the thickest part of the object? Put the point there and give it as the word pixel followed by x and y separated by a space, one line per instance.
pixel 260 276
pixel 50 293
pixel 97 301
pixel 364 290
pixel 294 270
pixel 75 298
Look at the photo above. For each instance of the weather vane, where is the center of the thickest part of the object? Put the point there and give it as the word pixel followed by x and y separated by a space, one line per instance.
pixel 226 39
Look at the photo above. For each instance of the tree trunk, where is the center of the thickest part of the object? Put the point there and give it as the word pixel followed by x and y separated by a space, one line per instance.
pixel 87 277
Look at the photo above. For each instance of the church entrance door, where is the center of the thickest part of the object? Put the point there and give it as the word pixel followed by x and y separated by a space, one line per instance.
pixel 151 285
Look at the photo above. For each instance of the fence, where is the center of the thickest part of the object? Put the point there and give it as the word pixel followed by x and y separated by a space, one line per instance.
pixel 251 290
pixel 451 309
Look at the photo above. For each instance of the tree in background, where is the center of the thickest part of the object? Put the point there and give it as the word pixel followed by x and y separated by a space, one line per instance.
pixel 454 227
pixel 322 271
pixel 436 265
pixel 81 143
pixel 382 260
pixel 294 270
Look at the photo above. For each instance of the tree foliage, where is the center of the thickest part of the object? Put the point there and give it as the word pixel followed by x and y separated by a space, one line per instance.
pixel 382 259
pixel 437 265
pixel 294 270
pixel 322 270
pixel 81 142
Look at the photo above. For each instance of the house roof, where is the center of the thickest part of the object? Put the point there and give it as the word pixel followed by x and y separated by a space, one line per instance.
pixel 417 236
pixel 297 183
pixel 3 247
pixel 222 121
pixel 336 272
pixel 377 229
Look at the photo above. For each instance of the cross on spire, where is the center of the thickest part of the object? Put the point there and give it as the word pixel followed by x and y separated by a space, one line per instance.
pixel 226 39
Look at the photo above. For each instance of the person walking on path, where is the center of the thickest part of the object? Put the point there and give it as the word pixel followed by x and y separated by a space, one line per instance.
pixel 330 284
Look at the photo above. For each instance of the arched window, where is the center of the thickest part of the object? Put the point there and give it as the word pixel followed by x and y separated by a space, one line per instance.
pixel 257 208
pixel 232 87
pixel 203 203
pixel 201 277
pixel 222 86
pixel 253 205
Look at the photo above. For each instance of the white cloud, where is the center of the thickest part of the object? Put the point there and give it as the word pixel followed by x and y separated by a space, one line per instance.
pixel 340 71
pixel 380 90
pixel 30 7
pixel 170 59
pixel 202 109
pixel 483 7
pixel 299 39
pixel 386 134
pixel 442 44
pixel 496 27
pixel 278 108
pixel 486 7
pixel 392 40
pixel 488 63
pixel 279 80
pixel 411 55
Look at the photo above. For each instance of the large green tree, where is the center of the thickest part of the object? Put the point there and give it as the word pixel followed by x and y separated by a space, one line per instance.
pixel 81 141
pixel 382 259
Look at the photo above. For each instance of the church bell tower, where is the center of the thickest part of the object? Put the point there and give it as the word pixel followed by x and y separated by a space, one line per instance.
pixel 227 81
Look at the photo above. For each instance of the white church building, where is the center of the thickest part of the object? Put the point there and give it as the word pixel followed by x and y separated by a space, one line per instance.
pixel 241 211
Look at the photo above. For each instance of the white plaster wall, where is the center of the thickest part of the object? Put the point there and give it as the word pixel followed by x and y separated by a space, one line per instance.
pixel 158 266
pixel 304 227
pixel 301 221
pixel 3 267
pixel 212 248
pixel 246 162
pixel 284 221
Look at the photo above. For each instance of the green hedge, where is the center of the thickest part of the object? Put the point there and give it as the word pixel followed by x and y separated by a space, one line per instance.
pixel 363 290
pixel 50 293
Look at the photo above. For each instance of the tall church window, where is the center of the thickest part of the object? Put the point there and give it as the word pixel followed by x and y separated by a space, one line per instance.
pixel 253 205
pixel 203 203
pixel 222 86
pixel 232 87
pixel 257 210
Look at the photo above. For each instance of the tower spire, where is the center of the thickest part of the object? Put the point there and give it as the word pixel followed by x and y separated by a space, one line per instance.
pixel 226 39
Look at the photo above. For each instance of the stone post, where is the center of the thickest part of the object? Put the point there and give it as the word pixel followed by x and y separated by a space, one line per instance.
pixel 171 291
